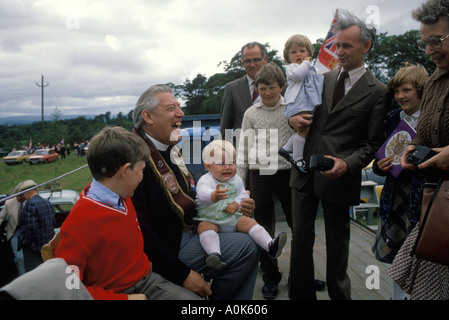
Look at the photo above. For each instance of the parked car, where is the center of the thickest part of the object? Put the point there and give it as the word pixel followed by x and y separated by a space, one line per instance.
pixel 43 155
pixel 62 202
pixel 20 156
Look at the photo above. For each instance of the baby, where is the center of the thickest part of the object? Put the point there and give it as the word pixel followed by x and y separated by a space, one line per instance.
pixel 219 193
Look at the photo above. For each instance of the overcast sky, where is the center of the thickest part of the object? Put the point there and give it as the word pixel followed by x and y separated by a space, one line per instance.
pixel 99 56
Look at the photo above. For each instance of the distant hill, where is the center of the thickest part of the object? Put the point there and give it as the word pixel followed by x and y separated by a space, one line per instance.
pixel 9 121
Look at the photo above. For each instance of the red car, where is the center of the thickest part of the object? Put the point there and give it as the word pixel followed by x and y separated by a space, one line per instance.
pixel 43 156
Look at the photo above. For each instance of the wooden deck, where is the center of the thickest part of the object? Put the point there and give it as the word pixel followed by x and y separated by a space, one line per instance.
pixel 360 258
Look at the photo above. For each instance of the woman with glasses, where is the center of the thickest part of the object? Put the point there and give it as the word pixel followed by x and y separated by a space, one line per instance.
pixel 425 280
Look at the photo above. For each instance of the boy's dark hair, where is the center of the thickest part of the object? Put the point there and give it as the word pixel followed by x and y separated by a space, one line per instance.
pixel 270 73
pixel 112 148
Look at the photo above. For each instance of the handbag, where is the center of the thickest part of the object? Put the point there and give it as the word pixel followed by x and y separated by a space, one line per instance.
pixel 432 243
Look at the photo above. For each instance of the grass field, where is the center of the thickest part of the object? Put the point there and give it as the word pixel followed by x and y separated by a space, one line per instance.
pixel 11 175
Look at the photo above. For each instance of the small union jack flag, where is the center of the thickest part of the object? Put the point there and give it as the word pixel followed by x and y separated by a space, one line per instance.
pixel 327 57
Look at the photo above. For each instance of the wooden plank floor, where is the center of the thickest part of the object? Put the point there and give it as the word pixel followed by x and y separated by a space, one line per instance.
pixel 360 257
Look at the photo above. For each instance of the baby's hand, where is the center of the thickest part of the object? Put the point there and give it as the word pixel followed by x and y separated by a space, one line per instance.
pixel 232 207
pixel 307 59
pixel 219 194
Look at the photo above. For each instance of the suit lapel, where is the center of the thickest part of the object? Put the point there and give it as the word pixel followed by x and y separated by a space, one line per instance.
pixel 359 91
pixel 329 89
pixel 244 92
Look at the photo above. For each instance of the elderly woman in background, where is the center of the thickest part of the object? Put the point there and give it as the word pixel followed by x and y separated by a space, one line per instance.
pixel 430 280
pixel 433 129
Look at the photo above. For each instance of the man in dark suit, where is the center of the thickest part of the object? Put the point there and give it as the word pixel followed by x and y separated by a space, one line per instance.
pixel 241 94
pixel 348 131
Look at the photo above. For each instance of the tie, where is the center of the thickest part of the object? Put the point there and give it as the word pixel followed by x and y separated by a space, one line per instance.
pixel 255 92
pixel 339 92
pixel 19 218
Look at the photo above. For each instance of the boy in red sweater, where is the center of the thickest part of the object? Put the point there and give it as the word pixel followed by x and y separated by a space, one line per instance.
pixel 101 237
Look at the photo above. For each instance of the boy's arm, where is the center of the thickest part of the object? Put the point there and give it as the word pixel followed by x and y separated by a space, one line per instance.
pixel 245 142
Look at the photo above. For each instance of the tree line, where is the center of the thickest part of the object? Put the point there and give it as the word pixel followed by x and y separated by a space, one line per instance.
pixel 203 95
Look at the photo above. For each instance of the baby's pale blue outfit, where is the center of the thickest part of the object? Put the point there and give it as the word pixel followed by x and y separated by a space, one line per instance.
pixel 305 88
pixel 213 212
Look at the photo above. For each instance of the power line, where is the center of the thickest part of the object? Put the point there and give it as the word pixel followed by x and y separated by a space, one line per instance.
pixel 54 92
pixel 5 75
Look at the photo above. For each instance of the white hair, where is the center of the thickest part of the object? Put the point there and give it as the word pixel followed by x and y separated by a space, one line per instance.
pixel 211 152
pixel 148 101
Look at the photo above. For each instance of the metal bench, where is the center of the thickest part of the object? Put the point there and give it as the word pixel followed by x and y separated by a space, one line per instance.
pixel 369 198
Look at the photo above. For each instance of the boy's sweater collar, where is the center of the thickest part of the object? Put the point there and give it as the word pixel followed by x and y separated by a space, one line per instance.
pixel 281 102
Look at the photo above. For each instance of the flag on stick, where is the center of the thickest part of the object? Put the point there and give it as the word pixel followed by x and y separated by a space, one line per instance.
pixel 327 56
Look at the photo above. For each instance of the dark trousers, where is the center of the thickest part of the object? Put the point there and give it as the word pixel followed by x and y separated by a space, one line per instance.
pixel 263 188
pixel 31 259
pixel 337 228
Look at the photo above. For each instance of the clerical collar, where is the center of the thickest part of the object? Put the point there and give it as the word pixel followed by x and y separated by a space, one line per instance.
pixel 160 146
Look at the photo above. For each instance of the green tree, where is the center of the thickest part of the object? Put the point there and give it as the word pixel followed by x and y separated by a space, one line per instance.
pixel 391 52
pixel 194 92
pixel 204 96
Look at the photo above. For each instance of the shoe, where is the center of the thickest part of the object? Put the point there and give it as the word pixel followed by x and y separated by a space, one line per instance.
pixel 320 285
pixel 277 244
pixel 301 166
pixel 270 290
pixel 214 261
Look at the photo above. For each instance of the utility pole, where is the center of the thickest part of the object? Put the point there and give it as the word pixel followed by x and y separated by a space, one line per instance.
pixel 42 85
